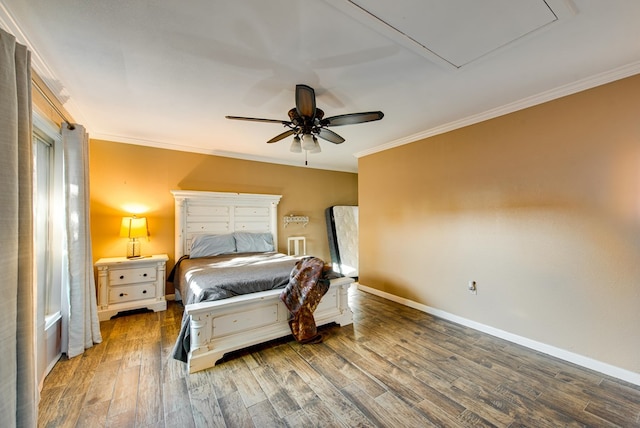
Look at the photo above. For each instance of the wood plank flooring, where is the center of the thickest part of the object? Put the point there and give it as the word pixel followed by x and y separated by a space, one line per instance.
pixel 394 367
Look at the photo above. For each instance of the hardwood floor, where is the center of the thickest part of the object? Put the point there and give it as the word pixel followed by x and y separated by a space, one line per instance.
pixel 395 367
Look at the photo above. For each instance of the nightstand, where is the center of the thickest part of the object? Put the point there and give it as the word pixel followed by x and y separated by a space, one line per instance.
pixel 126 284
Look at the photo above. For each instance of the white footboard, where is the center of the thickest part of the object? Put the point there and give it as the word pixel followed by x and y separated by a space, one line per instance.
pixel 227 325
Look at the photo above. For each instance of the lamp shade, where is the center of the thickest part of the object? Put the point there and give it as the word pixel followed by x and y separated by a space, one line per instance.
pixel 296 146
pixel 307 142
pixel 134 227
pixel 316 146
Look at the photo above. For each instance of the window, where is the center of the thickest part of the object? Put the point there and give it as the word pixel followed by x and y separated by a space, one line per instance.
pixel 49 248
pixel 48 292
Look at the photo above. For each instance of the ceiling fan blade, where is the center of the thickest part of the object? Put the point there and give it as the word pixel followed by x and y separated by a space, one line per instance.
pixel 255 119
pixel 306 101
pixel 352 118
pixel 279 137
pixel 330 136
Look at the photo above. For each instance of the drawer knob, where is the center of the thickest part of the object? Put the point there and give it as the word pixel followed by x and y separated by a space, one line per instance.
pixel 144 291
pixel 144 274
pixel 123 294
pixel 121 276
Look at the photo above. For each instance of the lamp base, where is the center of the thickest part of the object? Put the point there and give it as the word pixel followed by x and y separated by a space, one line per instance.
pixel 133 249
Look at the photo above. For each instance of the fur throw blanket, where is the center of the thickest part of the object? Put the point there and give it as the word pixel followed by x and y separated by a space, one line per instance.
pixel 302 295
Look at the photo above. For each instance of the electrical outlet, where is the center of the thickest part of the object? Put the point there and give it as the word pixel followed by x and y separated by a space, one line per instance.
pixel 473 289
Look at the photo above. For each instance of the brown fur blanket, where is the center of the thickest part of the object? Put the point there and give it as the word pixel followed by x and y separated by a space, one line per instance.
pixel 302 296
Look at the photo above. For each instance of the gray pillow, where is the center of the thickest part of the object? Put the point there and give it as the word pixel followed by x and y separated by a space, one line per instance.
pixel 247 242
pixel 212 245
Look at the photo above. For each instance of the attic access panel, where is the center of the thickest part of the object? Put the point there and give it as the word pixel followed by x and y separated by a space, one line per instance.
pixel 455 32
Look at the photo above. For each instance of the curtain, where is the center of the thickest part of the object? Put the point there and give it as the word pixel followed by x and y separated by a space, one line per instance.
pixel 82 325
pixel 18 405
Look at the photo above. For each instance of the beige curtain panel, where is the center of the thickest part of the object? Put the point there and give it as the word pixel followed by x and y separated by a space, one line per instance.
pixel 82 311
pixel 18 405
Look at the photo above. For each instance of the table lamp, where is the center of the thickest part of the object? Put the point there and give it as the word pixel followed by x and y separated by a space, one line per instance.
pixel 134 228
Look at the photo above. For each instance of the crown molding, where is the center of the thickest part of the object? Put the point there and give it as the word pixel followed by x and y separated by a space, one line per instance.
pixel 37 63
pixel 543 97
pixel 206 151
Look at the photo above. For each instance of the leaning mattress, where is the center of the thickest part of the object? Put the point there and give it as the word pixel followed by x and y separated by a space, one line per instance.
pixel 342 231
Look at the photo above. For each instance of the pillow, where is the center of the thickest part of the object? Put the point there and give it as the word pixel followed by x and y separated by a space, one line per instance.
pixel 247 242
pixel 212 245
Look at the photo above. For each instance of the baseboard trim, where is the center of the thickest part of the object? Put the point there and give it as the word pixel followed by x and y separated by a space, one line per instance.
pixel 572 357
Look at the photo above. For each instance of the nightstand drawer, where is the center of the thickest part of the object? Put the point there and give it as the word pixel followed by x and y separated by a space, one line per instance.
pixel 132 276
pixel 127 293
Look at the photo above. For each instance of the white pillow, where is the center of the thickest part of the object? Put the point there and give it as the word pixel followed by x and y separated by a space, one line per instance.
pixel 212 245
pixel 247 242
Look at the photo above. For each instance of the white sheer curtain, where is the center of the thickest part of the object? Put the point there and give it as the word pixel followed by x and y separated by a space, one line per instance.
pixel 18 391
pixel 80 311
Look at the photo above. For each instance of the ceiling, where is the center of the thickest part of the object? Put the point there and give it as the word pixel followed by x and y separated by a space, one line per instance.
pixel 163 73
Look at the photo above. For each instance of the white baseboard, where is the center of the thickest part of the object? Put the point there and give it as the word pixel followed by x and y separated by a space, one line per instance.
pixel 581 360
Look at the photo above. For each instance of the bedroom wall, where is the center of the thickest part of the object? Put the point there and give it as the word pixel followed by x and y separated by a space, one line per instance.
pixel 124 175
pixel 541 207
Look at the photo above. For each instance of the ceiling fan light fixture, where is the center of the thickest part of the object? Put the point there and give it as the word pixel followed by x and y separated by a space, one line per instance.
pixel 296 146
pixel 308 142
pixel 316 146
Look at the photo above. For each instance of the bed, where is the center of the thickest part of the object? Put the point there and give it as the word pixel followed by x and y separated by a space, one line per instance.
pixel 342 231
pixel 214 322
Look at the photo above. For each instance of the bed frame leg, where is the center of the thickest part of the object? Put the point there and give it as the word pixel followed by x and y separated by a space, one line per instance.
pixel 346 316
pixel 202 362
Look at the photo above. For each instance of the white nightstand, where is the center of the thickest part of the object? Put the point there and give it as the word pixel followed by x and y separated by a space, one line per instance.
pixel 126 284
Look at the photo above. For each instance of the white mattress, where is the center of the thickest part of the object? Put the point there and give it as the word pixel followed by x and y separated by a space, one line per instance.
pixel 346 224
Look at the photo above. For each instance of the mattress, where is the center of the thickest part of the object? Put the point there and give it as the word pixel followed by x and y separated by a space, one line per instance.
pixel 342 231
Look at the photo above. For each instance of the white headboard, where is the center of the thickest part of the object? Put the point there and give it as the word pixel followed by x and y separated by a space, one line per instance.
pixel 200 213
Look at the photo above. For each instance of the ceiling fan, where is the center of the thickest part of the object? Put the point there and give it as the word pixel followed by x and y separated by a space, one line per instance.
pixel 308 122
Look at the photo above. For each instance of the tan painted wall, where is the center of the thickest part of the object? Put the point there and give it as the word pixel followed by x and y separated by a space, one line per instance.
pixel 541 207
pixel 123 174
